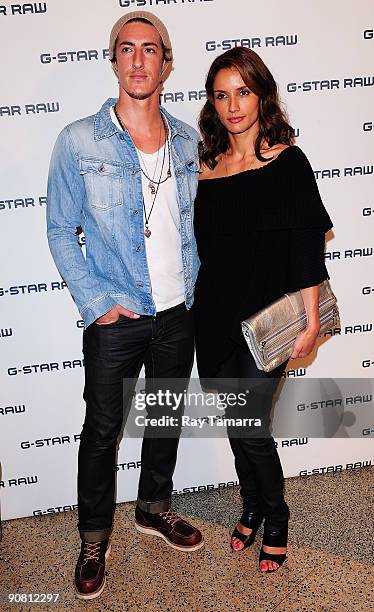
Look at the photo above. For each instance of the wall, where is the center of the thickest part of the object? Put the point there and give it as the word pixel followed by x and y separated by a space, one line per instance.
pixel 55 70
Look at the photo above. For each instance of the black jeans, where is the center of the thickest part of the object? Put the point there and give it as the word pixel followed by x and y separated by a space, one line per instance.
pixel 257 461
pixel 164 344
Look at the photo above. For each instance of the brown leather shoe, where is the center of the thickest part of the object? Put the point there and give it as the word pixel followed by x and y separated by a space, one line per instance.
pixel 90 569
pixel 176 532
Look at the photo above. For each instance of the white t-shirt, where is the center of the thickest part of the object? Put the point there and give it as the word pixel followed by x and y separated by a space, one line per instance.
pixel 163 247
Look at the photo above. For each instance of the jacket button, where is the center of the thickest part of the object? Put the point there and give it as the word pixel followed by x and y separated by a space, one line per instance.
pixel 140 285
pixel 121 137
pixel 136 212
pixel 137 248
pixel 185 245
pixel 146 309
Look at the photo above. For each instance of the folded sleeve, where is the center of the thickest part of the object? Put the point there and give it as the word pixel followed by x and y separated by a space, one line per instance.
pixel 308 222
pixel 306 258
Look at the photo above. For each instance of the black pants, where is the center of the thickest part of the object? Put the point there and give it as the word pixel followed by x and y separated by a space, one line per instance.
pixel 257 462
pixel 164 344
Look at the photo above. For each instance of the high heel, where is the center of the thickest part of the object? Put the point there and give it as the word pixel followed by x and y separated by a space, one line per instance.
pixel 250 520
pixel 276 539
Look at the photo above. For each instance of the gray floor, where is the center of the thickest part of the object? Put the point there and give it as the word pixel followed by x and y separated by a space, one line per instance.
pixel 330 566
pixel 333 512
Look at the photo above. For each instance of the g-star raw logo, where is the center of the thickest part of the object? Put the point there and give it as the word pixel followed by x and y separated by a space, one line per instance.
pixel 183 96
pixel 358 328
pixel 55 510
pixel 367 290
pixel 6 332
pixel 24 8
pixel 16 482
pixel 130 465
pixel 280 40
pixel 206 487
pixel 328 404
pixel 367 431
pixel 22 203
pixel 294 373
pixel 12 410
pixel 74 56
pixel 332 469
pixel 41 368
pixel 30 109
pixel 331 84
pixel 349 254
pixel 292 442
pixel 348 171
pixel 33 288
pixel 56 441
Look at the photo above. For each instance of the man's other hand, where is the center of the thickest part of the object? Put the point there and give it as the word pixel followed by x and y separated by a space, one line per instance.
pixel 113 315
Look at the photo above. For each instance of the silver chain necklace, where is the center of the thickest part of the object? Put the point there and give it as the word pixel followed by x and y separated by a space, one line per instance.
pixel 152 183
pixel 147 231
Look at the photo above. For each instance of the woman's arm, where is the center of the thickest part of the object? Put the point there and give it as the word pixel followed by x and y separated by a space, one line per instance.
pixel 309 222
pixel 306 339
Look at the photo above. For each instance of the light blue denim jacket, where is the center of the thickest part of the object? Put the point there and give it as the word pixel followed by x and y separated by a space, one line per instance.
pixel 95 182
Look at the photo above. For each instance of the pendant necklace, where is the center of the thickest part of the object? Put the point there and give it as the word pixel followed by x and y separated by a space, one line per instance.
pixel 153 184
pixel 147 231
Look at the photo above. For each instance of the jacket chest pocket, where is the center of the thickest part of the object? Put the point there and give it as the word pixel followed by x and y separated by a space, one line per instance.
pixel 103 183
pixel 192 174
pixel 187 175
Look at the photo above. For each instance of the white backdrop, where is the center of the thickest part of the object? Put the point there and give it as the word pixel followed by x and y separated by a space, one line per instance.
pixel 55 70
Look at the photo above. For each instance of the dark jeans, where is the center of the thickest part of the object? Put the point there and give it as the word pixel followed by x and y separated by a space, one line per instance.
pixel 164 344
pixel 257 462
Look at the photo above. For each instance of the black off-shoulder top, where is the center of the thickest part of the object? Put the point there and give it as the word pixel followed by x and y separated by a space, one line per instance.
pixel 260 234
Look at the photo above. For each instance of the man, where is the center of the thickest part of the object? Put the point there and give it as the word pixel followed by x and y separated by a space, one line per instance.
pixel 128 177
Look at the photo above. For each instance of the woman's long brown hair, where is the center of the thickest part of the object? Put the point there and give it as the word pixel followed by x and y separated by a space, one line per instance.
pixel 274 126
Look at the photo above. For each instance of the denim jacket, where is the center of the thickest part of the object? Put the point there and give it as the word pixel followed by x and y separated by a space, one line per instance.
pixel 95 182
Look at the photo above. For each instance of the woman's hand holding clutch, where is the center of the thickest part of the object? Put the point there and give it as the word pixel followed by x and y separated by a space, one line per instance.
pixel 305 342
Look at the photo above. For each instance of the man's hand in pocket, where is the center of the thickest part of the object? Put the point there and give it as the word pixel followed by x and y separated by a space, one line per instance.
pixel 112 315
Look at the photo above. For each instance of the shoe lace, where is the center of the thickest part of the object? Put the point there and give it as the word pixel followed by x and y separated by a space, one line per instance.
pixel 170 517
pixel 91 551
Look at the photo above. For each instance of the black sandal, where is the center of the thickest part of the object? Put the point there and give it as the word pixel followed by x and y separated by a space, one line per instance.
pixel 250 520
pixel 277 539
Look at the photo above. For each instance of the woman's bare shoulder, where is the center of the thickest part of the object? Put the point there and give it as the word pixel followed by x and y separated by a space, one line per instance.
pixel 275 150
pixel 211 173
pixel 206 172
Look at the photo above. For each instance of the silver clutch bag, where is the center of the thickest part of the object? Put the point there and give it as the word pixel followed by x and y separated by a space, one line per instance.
pixel 271 332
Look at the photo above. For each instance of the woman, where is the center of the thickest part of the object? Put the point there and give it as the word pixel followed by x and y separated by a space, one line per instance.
pixel 260 227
